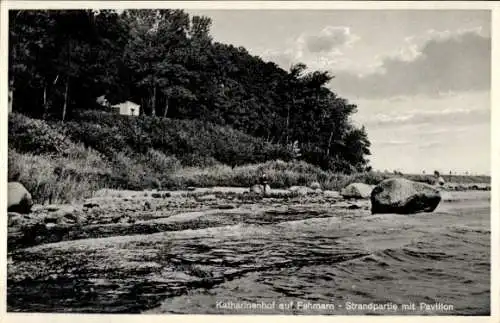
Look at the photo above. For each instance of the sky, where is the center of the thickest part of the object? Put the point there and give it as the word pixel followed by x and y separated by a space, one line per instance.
pixel 420 78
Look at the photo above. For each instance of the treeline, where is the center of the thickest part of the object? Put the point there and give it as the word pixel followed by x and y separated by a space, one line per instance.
pixel 167 61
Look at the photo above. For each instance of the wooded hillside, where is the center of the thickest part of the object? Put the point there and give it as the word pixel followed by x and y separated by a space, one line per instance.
pixel 167 61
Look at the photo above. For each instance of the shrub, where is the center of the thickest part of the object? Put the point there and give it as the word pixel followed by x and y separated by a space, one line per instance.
pixel 158 162
pixel 106 140
pixel 280 174
pixel 62 162
pixel 197 160
pixel 37 173
pixel 36 136
pixel 194 142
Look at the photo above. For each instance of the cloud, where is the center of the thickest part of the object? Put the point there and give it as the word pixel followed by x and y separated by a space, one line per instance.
pixel 331 38
pixel 450 120
pixel 430 64
pixel 445 131
pixel 395 143
pixel 284 59
pixel 441 118
pixel 319 50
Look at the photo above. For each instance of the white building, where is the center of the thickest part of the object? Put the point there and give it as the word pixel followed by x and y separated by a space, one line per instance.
pixel 127 108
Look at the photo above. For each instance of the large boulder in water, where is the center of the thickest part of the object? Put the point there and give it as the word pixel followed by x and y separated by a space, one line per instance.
pixel 19 199
pixel 399 195
pixel 357 191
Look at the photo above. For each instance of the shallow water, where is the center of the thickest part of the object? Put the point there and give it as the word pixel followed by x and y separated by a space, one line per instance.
pixel 279 259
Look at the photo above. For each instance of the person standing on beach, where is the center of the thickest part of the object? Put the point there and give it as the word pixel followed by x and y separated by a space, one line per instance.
pixel 439 179
pixel 264 184
pixel 263 180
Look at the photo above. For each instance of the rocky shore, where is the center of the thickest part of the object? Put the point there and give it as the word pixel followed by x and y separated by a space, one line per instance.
pixel 128 251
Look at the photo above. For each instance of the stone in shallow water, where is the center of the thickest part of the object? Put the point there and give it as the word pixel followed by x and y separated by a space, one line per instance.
pixel 209 197
pixel 90 205
pixel 52 208
pixel 399 195
pixel 357 190
pixel 301 190
pixel 315 185
pixel 331 194
pixel 226 206
pixel 16 219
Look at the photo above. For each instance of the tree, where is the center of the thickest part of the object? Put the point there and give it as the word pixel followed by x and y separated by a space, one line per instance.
pixel 158 41
pixel 49 49
pixel 167 61
pixel 30 47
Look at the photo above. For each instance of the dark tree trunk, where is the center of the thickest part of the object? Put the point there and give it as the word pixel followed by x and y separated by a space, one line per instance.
pixel 11 99
pixel 153 109
pixel 166 108
pixel 11 94
pixel 65 106
pixel 329 144
pixel 45 105
pixel 65 100
pixel 287 123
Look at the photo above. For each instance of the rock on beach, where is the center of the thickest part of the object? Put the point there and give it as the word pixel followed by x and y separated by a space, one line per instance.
pixel 357 190
pixel 399 195
pixel 19 199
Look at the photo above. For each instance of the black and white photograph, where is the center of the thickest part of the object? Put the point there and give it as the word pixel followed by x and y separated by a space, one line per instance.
pixel 231 161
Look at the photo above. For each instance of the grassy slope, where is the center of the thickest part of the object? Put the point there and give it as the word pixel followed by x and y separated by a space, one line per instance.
pixel 67 162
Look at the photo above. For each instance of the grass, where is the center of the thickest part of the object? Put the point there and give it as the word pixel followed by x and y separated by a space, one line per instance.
pixel 280 174
pixel 55 179
pixel 82 174
pixel 55 168
pixel 460 179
